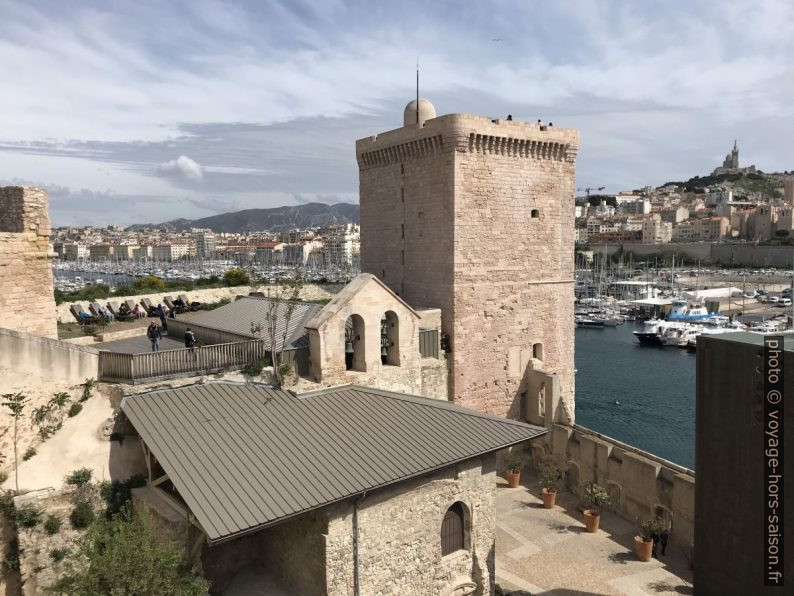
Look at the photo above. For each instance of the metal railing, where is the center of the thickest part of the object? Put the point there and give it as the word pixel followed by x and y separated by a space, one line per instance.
pixel 136 368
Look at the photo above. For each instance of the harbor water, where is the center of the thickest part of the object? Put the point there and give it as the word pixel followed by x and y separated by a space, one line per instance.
pixel 639 395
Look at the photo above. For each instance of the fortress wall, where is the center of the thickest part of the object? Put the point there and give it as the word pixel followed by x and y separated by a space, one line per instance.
pixel 640 484
pixel 26 289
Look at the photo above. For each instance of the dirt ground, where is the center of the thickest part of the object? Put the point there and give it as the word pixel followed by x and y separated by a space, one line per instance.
pixel 82 441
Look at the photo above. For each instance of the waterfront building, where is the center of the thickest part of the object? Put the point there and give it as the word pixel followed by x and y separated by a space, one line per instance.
pixel 205 243
pixel 342 243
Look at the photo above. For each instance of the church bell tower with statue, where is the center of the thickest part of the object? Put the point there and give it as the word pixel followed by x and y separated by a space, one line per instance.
pixel 475 216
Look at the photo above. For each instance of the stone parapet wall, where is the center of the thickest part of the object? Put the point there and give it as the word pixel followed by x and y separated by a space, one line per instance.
pixel 399 535
pixel 26 285
pixel 28 354
pixel 640 484
pixel 308 292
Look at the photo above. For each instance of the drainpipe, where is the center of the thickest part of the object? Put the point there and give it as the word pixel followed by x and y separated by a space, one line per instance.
pixel 356 587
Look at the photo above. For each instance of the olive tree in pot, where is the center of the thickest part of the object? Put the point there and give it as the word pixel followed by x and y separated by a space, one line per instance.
pixel 643 544
pixel 549 477
pixel 513 467
pixel 597 497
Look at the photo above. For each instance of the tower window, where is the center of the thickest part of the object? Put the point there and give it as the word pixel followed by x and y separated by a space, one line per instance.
pixel 402 195
pixel 402 230
pixel 402 168
pixel 537 351
pixel 535 213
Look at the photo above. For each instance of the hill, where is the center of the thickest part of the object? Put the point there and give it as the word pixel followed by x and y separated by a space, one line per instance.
pixel 770 185
pixel 277 219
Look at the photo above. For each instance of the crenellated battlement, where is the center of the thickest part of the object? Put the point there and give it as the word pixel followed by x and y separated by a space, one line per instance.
pixel 465 133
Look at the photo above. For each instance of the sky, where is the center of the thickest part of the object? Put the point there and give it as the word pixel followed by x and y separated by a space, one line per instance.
pixel 132 112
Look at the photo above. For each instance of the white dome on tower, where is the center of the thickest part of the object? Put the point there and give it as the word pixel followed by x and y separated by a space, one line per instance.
pixel 426 111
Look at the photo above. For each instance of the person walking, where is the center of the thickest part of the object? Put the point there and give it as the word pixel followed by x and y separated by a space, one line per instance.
pixel 161 314
pixel 154 335
pixel 190 340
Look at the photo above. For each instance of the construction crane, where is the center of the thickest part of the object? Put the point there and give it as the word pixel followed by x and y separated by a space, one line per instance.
pixel 589 188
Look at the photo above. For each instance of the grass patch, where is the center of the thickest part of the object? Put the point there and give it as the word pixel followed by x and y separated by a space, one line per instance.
pixel 29 452
pixel 52 525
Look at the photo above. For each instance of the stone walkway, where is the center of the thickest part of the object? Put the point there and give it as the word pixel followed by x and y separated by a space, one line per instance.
pixel 542 551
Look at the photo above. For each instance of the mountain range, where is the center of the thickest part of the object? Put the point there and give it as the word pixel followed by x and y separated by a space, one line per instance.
pixel 277 219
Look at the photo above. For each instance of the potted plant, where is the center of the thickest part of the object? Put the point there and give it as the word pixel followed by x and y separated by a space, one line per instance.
pixel 597 497
pixel 549 477
pixel 513 466
pixel 643 544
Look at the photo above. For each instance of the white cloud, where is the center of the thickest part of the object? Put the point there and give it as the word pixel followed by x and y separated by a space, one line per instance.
pixel 248 90
pixel 182 168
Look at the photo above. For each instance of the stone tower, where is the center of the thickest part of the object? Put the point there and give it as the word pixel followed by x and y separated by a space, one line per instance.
pixel 26 289
pixel 476 216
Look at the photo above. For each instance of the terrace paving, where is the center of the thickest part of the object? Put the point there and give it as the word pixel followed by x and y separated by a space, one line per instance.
pixel 547 551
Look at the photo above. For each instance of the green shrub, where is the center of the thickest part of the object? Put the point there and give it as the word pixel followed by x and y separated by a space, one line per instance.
pixel 126 555
pixel 597 497
pixel 82 515
pixel 149 284
pixel 11 557
pixel 649 527
pixel 236 277
pixel 214 305
pixel 60 399
pixel 89 329
pixel 3 476
pixel 255 367
pixel 27 516
pixel 58 554
pixel 74 410
pixel 79 477
pixel 52 525
pixel 88 387
pixel 7 502
pixel 29 452
pixel 117 494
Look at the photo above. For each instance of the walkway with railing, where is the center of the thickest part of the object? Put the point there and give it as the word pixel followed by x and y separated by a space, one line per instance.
pixel 168 364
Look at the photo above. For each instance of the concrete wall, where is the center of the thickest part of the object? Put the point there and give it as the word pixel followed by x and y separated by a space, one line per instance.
pixel 26 288
pixel 45 357
pixel 641 484
pixel 399 535
pixel 446 221
pixel 730 464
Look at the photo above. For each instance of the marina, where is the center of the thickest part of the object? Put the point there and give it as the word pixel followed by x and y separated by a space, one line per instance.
pixel 642 397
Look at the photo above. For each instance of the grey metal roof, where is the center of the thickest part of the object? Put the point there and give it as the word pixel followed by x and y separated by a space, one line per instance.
pixel 245 456
pixel 237 316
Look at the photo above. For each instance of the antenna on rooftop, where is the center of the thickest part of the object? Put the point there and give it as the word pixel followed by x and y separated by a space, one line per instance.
pixel 417 89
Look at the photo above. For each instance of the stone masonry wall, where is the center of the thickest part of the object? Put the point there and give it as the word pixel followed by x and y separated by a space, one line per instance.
pixel 641 485
pixel 399 535
pixel 26 288
pixel 458 198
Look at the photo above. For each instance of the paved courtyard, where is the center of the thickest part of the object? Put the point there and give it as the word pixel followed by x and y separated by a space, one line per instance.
pixel 542 551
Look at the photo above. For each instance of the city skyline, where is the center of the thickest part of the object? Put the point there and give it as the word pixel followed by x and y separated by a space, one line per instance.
pixel 151 113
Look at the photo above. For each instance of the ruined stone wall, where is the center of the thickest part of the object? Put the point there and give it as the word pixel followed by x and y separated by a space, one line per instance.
pixel 399 535
pixel 26 288
pixel 483 212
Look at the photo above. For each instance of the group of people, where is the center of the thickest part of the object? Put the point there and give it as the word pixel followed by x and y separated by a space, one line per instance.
pixel 136 312
pixel 155 333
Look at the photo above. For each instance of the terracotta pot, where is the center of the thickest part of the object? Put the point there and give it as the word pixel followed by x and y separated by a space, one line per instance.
pixel 642 548
pixel 513 478
pixel 548 498
pixel 591 521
